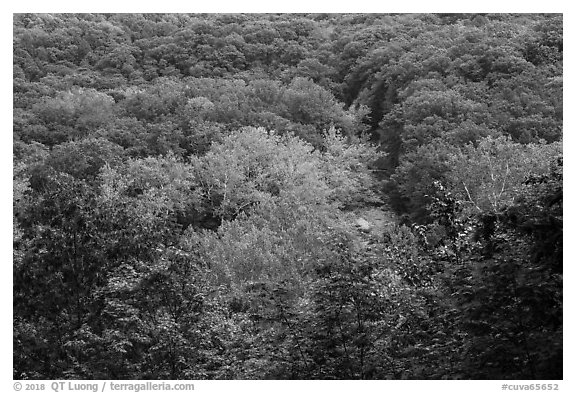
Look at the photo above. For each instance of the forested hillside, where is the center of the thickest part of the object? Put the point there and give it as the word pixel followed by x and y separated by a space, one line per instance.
pixel 324 196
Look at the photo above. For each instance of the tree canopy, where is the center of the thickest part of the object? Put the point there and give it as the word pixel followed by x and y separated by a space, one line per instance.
pixel 287 196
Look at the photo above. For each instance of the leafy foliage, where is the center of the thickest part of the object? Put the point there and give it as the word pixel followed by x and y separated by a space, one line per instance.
pixel 323 196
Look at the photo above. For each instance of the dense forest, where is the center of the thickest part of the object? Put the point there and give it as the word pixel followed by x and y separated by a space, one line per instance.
pixel 287 196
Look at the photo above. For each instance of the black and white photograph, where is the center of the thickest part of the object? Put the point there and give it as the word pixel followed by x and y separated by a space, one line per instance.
pixel 287 196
